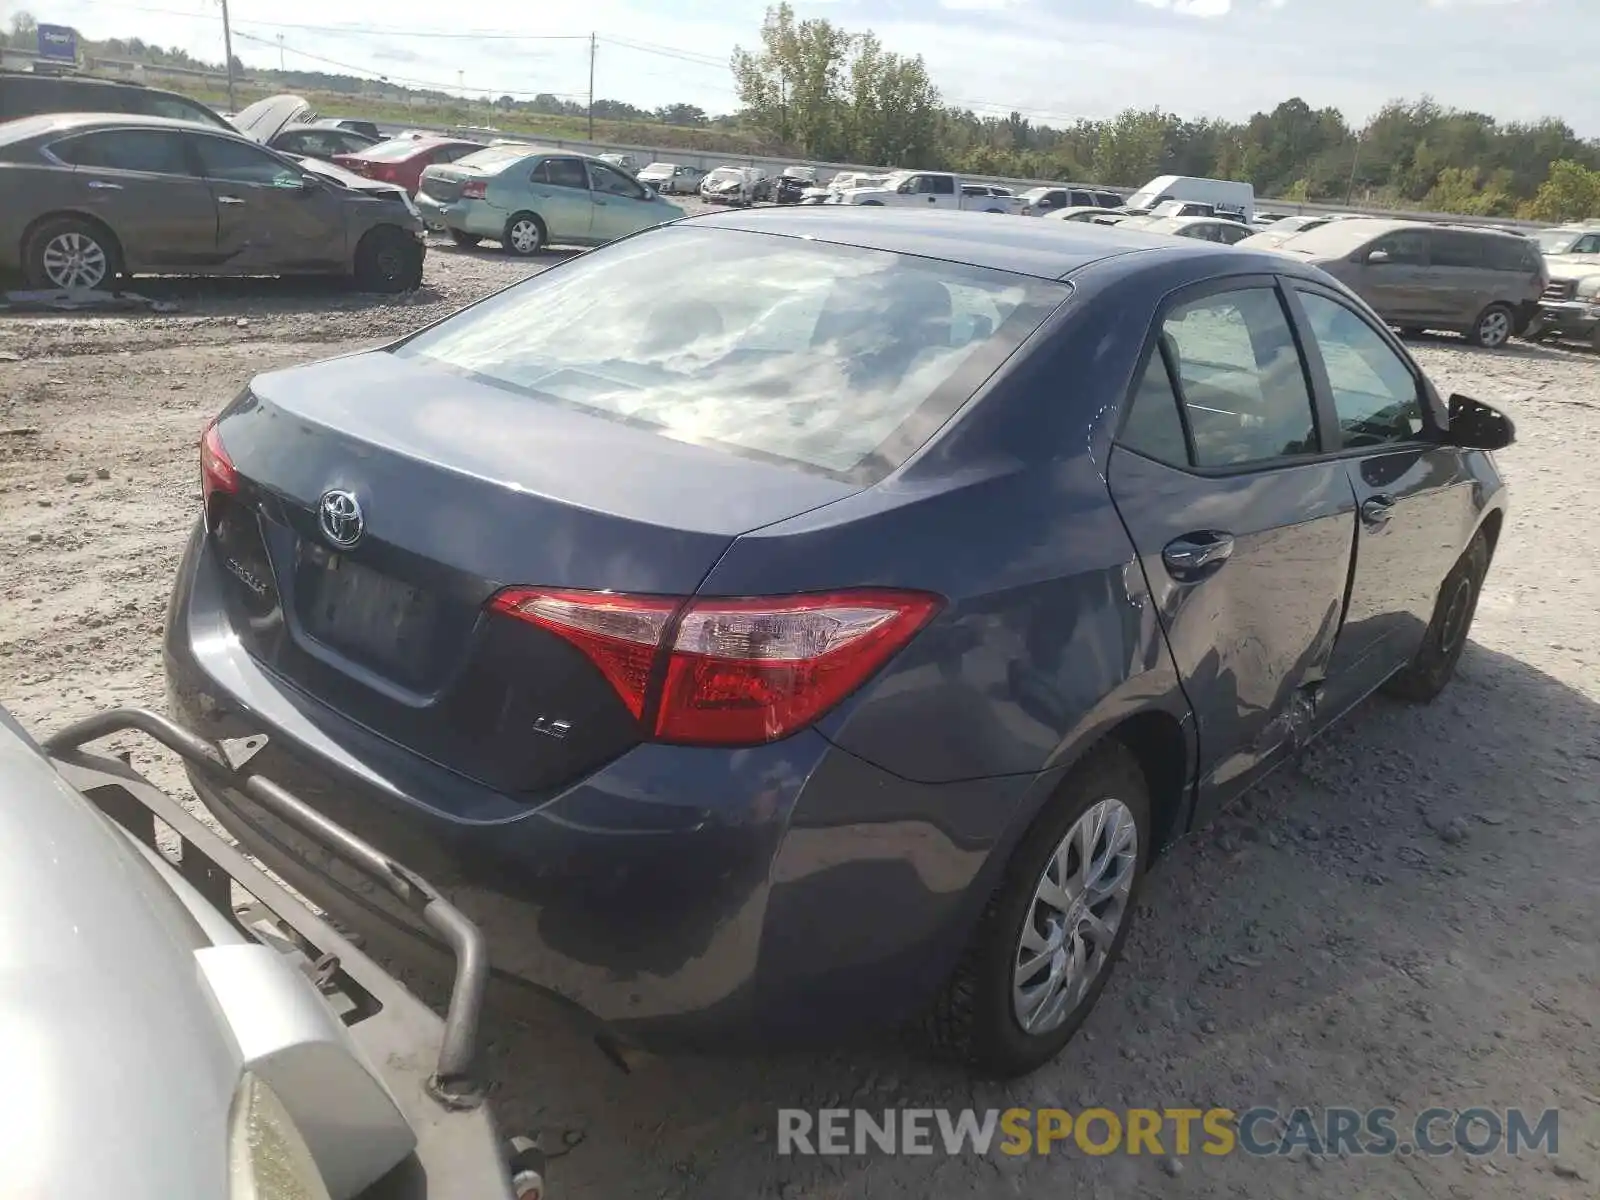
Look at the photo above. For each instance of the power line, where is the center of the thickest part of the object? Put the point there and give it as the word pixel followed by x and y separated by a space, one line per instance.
pixel 383 78
pixel 366 30
pixel 675 53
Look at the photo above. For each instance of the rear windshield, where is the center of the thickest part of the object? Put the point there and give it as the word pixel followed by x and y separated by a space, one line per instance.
pixel 1340 237
pixel 494 158
pixel 837 359
pixel 395 150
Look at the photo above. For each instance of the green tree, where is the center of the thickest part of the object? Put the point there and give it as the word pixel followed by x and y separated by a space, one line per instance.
pixel 1131 147
pixel 1571 193
pixel 792 87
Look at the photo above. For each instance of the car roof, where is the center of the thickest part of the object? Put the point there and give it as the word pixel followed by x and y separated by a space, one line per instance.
pixel 1044 249
pixel 21 130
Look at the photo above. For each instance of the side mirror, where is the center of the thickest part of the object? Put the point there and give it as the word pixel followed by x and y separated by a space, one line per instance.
pixel 1474 425
pixel 1377 256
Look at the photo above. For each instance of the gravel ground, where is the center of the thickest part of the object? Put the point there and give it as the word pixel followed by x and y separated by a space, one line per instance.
pixel 1406 917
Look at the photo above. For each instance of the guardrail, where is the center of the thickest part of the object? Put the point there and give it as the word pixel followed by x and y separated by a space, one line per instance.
pixel 707 160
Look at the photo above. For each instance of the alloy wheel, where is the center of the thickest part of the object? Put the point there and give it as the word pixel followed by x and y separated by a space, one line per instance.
pixel 74 260
pixel 1071 924
pixel 1494 329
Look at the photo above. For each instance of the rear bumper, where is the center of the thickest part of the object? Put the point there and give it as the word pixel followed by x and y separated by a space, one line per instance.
pixel 468 216
pixel 786 894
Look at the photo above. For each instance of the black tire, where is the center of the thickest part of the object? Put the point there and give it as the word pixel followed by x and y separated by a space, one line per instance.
pixel 972 1021
pixel 464 239
pixel 1493 327
pixel 388 260
pixel 1446 637
pixel 54 236
pixel 525 235
pixel 872 204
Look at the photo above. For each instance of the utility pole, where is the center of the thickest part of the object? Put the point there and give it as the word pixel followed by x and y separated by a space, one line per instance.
pixel 1355 162
pixel 227 48
pixel 280 52
pixel 591 87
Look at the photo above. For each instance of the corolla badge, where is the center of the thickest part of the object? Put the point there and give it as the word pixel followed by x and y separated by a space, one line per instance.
pixel 339 515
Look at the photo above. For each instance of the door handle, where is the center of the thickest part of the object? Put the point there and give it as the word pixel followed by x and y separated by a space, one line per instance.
pixel 1197 554
pixel 933 199
pixel 101 185
pixel 1377 510
pixel 229 200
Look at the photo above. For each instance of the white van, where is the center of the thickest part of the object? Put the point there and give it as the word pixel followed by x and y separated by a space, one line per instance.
pixel 1226 196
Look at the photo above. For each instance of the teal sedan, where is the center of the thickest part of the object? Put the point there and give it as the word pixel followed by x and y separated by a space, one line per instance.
pixel 526 199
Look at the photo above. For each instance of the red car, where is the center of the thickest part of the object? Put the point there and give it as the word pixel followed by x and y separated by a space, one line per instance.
pixel 400 160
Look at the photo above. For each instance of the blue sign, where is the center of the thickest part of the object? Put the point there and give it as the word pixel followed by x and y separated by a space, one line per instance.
pixel 59 43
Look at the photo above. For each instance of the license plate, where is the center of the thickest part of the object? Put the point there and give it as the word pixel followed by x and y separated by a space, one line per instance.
pixel 376 618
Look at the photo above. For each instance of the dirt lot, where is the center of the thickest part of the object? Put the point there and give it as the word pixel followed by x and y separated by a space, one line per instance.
pixel 1408 917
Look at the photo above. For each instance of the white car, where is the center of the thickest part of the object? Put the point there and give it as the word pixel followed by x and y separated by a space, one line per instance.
pixel 672 179
pixel 733 185
pixel 626 161
pixel 1206 229
pixel 1085 213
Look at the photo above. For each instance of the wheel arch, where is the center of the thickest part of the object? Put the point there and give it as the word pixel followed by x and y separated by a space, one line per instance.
pixel 74 214
pixel 1490 527
pixel 1160 744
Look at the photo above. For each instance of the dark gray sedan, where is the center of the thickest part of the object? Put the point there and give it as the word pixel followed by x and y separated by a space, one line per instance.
pixel 778 623
pixel 86 198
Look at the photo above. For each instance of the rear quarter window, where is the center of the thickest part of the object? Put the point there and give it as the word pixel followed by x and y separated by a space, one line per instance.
pixel 1517 255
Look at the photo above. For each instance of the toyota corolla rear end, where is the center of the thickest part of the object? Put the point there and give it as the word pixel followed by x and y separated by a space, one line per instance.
pixel 453 195
pixel 523 601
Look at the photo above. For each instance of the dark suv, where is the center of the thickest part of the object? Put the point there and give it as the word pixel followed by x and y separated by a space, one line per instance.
pixel 27 95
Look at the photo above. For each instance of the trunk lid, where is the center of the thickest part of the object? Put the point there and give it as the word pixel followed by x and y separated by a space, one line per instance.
pixel 464 488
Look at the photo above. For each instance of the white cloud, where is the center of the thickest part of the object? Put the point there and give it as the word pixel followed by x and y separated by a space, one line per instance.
pixel 1194 8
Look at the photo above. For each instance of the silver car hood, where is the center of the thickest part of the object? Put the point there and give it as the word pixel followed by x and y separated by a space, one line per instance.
pixel 114 1050
pixel 265 119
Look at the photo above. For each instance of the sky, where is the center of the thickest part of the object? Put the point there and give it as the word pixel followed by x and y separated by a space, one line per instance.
pixel 1053 60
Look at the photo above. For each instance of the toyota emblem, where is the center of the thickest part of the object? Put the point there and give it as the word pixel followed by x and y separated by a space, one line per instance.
pixel 339 515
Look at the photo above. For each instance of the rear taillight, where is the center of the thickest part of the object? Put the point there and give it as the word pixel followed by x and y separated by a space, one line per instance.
pixel 728 672
pixel 474 190
pixel 217 473
pixel 620 634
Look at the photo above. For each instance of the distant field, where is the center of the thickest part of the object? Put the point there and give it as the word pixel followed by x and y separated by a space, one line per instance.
pixel 344 104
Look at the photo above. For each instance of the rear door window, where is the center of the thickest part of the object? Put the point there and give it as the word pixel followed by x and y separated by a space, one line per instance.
pixel 1240 378
pixel 156 151
pixel 1449 248
pixel 562 172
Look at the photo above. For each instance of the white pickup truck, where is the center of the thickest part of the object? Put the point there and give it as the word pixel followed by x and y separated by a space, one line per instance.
pixel 932 189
